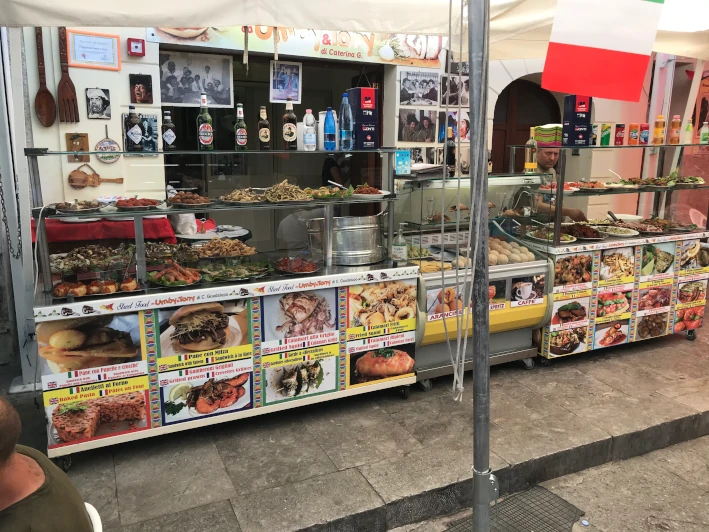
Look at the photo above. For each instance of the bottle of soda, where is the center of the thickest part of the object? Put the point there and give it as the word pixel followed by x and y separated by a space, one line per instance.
pixel 168 133
pixel 309 133
pixel 264 130
pixel 330 140
pixel 134 131
pixel 240 128
pixel 346 124
pixel 205 132
pixel 290 125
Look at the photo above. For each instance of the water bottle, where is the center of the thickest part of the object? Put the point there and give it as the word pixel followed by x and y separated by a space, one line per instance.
pixel 346 125
pixel 330 138
pixel 309 131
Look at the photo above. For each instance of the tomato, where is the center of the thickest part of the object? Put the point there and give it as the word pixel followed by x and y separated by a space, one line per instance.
pixel 680 326
pixel 689 315
pixel 694 325
pixel 700 311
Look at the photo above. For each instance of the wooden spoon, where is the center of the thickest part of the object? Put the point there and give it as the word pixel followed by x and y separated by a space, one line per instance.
pixel 44 105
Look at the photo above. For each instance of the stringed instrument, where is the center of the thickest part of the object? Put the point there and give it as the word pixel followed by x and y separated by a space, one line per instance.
pixel 80 179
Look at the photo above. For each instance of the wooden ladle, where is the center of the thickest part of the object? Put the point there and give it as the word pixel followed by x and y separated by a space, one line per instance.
pixel 44 105
pixel 80 179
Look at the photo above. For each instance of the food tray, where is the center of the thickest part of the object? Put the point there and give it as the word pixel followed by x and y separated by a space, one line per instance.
pixel 286 272
pixel 191 205
pixel 228 202
pixel 79 211
pixel 551 240
pixel 140 208
pixel 381 194
pixel 290 202
pixel 631 232
pixel 657 188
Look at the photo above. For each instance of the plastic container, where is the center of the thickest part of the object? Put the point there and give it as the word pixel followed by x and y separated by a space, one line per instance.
pixel 346 124
pixel 633 134
pixel 675 128
pixel 329 132
pixel 309 131
pixel 658 131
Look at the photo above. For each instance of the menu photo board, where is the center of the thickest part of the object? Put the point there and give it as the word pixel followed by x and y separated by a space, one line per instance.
pixel 300 350
pixel 381 331
pixel 94 377
pixel 205 363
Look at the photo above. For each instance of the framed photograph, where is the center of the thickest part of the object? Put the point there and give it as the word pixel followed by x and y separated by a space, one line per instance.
pixel 93 50
pixel 141 88
pixel 419 87
pixel 183 77
pixel 458 91
pixel 460 125
pixel 286 82
pixel 417 155
pixel 98 104
pixel 150 135
pixel 431 155
pixel 457 67
pixel 417 126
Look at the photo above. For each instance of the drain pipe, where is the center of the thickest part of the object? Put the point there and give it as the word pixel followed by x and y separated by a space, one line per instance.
pixel 485 487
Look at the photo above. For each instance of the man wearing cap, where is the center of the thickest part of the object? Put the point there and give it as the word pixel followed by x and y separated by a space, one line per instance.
pixel 99 104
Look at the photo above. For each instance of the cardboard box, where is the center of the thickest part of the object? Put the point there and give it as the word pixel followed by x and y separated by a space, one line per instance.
pixel 576 134
pixel 577 109
pixel 365 105
pixel 366 136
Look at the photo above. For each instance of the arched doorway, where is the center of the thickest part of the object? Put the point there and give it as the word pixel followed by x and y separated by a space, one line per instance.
pixel 521 105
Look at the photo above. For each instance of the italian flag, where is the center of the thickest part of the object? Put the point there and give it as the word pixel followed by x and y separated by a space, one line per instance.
pixel 601 48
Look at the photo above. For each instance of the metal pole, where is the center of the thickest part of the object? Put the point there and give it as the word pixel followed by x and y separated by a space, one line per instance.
pixel 484 482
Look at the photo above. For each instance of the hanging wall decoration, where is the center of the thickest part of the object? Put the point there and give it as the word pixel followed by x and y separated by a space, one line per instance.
pixel 98 103
pixel 141 88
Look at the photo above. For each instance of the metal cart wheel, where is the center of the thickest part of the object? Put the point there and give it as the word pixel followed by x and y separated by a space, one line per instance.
pixel 426 385
pixel 404 392
pixel 63 462
pixel 528 363
pixel 691 336
pixel 545 362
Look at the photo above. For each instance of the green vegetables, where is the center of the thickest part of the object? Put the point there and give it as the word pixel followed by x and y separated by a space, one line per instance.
pixel 384 352
pixel 172 409
pixel 73 406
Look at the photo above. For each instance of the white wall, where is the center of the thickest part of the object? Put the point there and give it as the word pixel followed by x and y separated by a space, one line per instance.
pixel 144 176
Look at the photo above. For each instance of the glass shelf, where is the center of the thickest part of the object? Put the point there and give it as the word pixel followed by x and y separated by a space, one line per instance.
pixel 521 146
pixel 434 177
pixel 43 152
pixel 615 191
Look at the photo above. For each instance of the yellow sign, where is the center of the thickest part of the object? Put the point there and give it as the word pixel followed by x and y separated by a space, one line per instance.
pixel 95 390
pixel 617 280
pixel 215 356
pixel 562 296
pixel 301 355
pixel 655 284
pixel 607 319
pixel 394 327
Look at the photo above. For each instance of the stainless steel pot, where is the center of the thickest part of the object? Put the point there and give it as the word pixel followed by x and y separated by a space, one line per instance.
pixel 356 240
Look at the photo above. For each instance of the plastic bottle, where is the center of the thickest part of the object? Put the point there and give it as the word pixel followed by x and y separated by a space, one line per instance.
pixel 658 133
pixel 346 124
pixel 330 137
pixel 310 132
pixel 704 134
pixel 688 133
pixel 675 128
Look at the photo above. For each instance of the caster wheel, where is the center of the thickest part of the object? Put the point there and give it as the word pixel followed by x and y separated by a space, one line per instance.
pixel 528 363
pixel 426 385
pixel 545 362
pixel 404 392
pixel 63 463
pixel 691 336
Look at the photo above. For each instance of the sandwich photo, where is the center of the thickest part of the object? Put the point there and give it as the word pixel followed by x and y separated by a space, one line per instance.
pixel 203 327
pixel 81 343
pixel 380 364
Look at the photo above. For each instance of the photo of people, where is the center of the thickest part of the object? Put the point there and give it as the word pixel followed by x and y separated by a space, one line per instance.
pixel 98 103
pixel 461 128
pixel 285 82
pixel 141 88
pixel 457 67
pixel 458 91
pixel 417 126
pixel 419 88
pixel 417 155
pixel 183 77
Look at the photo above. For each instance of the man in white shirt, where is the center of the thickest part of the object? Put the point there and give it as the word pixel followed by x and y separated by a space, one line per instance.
pixel 208 77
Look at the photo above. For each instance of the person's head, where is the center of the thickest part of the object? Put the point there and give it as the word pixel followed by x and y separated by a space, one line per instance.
pixel 547 157
pixel 217 83
pixel 210 86
pixel 464 127
pixel 171 67
pixel 422 84
pixel 426 122
pixel 196 77
pixel 411 121
pixel 141 91
pixel 97 101
pixel 207 69
pixel 467 85
pixel 431 84
pixel 9 430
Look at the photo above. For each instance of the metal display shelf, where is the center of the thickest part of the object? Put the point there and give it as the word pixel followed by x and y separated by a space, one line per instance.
pixel 42 152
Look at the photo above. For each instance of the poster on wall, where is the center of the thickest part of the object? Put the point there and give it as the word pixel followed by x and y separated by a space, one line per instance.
pixel 418 87
pixel 184 76
pixel 455 90
pixel 417 126
pixel 286 82
pixel 381 331
pixel 461 127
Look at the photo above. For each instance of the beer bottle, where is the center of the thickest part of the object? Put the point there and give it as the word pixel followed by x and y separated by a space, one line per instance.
pixel 264 130
pixel 205 132
pixel 290 124
pixel 240 128
pixel 168 133
pixel 134 131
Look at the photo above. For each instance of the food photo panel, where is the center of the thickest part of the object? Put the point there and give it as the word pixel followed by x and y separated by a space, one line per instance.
pixel 610 334
pixel 527 291
pixel 617 266
pixel 446 302
pixel 651 325
pixel 567 342
pixel 496 294
pixel 690 257
pixel 570 314
pixel 380 365
pixel 688 319
pixel 658 261
pixel 573 272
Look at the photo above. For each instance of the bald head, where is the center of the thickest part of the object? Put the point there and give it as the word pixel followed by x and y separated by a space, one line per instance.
pixel 9 429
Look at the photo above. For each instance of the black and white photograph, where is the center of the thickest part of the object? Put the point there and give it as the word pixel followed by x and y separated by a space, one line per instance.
pixel 431 155
pixel 183 77
pixel 150 133
pixel 457 92
pixel 419 87
pixel 460 125
pixel 417 155
pixel 98 104
pixel 457 67
pixel 417 126
pixel 141 88
pixel 286 82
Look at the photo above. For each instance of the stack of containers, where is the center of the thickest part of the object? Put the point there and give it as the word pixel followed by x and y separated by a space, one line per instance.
pixel 365 113
pixel 577 129
pixel 548 135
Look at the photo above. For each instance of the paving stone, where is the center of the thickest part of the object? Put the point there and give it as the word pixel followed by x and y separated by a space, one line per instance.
pixel 216 517
pixel 689 461
pixel 279 451
pixel 692 392
pixel 512 403
pixel 169 474
pixel 626 375
pixel 343 497
pixel 679 360
pixel 353 436
pixel 94 476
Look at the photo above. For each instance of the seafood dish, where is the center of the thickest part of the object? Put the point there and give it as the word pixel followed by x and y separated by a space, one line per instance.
pixel 189 199
pixel 574 269
pixel 611 230
pixel 378 303
pixel 77 206
pixel 213 395
pixel 581 231
pixel 640 227
pixel 616 265
pixel 655 298
pixel 690 251
pixel 132 203
pixel 199 327
pixel 284 191
pixel 79 420
pixel 175 275
pixel 565 342
pixel 573 311
pixel 692 291
pixel 613 304
pixel 300 379
pixel 243 195
pixel 502 252
pixel 689 319
pixel 97 287
pixel 652 325
pixel 224 247
pixel 297 265
pixel 93 257
pixel 225 272
pixel 383 363
pixel 366 189
pixel 547 234
pixel 329 192
pixel 81 343
pixel 703 256
pixel 613 335
pixel 305 313
pixel 655 260
pixel 159 252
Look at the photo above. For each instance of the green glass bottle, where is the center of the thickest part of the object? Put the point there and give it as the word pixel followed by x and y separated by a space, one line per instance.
pixel 240 128
pixel 205 132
